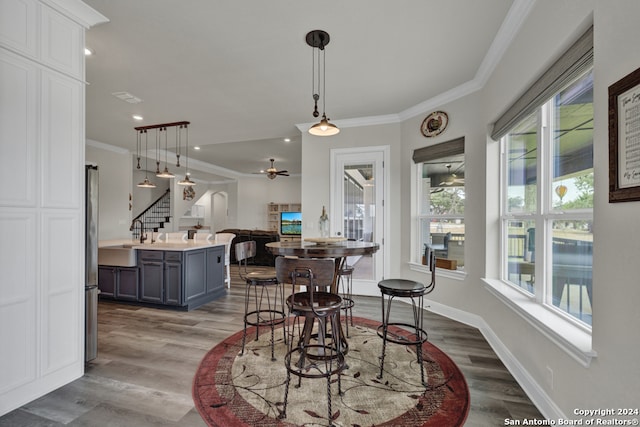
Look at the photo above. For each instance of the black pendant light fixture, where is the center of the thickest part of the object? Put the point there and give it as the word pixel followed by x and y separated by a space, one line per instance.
pixel 318 40
pixel 145 183
pixel 165 173
pixel 186 180
pixel 161 129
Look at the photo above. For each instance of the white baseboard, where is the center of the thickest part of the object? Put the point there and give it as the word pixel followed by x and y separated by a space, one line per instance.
pixel 538 396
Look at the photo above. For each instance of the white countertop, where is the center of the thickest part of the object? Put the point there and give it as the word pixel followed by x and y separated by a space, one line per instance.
pixel 160 245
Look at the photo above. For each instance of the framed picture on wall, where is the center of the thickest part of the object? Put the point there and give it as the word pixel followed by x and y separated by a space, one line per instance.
pixel 624 139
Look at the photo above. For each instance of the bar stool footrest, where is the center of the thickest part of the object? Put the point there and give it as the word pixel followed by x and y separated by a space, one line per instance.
pixel 347 303
pixel 414 335
pixel 279 318
pixel 317 365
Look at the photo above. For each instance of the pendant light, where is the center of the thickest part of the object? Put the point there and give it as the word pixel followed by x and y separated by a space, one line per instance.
pixel 186 180
pixel 318 40
pixel 160 128
pixel 146 183
pixel 165 173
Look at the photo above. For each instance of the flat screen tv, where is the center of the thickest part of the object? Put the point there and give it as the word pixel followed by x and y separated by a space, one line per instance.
pixel 291 223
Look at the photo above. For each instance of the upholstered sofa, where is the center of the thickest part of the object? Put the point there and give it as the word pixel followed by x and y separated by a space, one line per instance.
pixel 261 237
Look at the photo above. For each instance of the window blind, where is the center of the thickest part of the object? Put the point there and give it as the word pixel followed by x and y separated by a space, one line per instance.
pixel 438 151
pixel 571 64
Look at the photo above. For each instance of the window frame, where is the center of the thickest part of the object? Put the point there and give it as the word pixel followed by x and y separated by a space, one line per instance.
pixel 420 156
pixel 544 215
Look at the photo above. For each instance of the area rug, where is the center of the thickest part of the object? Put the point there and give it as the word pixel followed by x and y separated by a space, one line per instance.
pixel 233 390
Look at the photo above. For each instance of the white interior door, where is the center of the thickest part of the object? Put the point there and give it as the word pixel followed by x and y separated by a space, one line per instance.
pixel 358 185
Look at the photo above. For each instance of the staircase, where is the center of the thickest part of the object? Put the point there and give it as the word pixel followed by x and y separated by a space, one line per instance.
pixel 154 217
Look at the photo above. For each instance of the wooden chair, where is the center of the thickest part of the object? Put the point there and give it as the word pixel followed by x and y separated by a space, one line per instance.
pixel 319 353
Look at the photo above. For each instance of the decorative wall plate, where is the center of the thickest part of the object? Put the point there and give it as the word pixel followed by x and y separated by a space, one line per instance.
pixel 434 124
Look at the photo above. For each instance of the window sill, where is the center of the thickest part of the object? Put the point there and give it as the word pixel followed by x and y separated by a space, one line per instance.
pixel 440 272
pixel 572 339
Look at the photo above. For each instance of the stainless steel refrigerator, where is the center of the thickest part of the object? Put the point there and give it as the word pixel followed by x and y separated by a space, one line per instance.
pixel 91 263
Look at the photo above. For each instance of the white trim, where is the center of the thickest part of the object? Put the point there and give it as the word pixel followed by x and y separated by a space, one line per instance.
pixel 80 12
pixel 107 147
pixel 505 35
pixel 536 393
pixel 507 32
pixel 570 338
pixel 451 95
pixel 335 185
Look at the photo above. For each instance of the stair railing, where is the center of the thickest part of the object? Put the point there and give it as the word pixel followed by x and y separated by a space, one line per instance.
pixel 154 217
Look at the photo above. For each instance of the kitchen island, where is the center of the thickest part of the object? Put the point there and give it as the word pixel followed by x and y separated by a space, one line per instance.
pixel 180 275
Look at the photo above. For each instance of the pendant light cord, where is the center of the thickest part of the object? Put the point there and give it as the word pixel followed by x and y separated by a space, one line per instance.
pixel 186 152
pixel 324 79
pixel 138 142
pixel 178 138
pixel 158 151
pixel 166 148
pixel 146 154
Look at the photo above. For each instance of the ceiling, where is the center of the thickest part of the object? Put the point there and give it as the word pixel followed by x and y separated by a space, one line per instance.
pixel 240 71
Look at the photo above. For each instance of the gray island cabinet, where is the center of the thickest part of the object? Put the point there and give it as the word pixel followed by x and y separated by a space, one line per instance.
pixel 171 276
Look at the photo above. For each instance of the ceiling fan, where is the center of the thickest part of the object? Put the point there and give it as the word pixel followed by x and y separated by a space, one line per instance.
pixel 452 178
pixel 272 172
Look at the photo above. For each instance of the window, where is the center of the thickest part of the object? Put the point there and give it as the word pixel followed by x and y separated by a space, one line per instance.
pixel 441 200
pixel 547 201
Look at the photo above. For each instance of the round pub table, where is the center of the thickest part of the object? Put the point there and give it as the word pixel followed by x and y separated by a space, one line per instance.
pixel 340 251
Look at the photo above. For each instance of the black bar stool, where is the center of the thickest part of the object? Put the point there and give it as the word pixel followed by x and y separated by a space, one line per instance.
pixel 267 295
pixel 312 353
pixel 402 288
pixel 345 275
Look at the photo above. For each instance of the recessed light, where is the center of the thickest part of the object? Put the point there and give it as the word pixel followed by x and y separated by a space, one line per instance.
pixel 127 97
pixel 287 140
pixel 87 51
pixel 196 148
pixel 137 117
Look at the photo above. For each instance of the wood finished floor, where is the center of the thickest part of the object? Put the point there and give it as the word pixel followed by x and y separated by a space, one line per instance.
pixel 147 359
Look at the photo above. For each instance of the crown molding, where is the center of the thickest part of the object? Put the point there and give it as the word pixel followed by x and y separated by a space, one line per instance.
pixel 107 147
pixel 506 33
pixel 78 11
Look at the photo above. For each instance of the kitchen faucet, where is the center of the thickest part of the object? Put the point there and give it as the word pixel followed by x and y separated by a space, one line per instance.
pixel 143 236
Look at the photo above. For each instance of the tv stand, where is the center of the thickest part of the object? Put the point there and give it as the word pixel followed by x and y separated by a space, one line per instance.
pixel 273 215
pixel 284 238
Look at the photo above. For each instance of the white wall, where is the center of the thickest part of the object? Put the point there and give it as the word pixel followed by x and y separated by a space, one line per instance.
pixel 616 248
pixel 316 192
pixel 255 193
pixel 464 121
pixel 114 188
pixel 611 381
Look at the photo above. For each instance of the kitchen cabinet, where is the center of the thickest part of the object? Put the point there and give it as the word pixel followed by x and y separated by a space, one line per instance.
pixel 160 278
pixel 185 279
pixel 173 278
pixel 215 270
pixel 127 285
pixel 118 282
pixel 195 276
